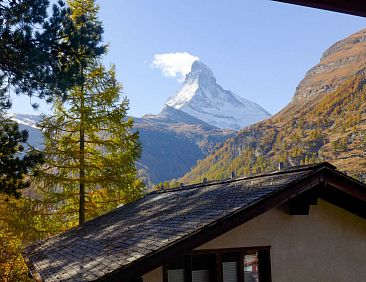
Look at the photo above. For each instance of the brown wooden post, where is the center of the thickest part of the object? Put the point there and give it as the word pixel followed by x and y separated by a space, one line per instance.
pixel 264 265
pixel 219 274
pixel 188 269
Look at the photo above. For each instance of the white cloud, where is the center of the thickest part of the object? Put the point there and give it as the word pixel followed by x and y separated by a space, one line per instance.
pixel 174 64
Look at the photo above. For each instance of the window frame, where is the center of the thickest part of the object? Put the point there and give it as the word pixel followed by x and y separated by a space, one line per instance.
pixel 264 262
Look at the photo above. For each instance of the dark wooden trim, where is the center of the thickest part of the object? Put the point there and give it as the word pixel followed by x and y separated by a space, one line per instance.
pixel 219 271
pixel 352 7
pixel 241 270
pixel 313 194
pixel 300 205
pixel 343 182
pixel 188 272
pixel 241 250
pixel 165 273
pixel 343 200
pixel 263 260
pixel 264 266
pixel 344 192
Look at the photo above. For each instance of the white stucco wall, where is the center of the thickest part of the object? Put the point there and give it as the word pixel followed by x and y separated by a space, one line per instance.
pixel 327 245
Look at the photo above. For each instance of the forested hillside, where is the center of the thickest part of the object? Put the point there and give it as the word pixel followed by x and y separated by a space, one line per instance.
pixel 325 121
pixel 334 130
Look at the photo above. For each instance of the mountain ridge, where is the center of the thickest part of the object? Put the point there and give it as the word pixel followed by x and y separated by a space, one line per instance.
pixel 340 61
pixel 325 121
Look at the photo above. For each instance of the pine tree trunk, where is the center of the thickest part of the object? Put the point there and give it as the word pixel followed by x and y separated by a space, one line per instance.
pixel 82 181
pixel 82 160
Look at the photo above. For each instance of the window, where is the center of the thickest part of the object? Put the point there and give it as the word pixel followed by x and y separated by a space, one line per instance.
pixel 231 267
pixel 221 265
pixel 250 263
pixel 203 268
pixel 176 271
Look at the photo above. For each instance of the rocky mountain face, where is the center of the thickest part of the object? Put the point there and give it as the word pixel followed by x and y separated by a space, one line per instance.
pixel 325 121
pixel 201 97
pixel 343 59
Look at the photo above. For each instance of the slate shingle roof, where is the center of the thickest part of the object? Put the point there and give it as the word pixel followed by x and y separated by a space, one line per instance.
pixel 144 227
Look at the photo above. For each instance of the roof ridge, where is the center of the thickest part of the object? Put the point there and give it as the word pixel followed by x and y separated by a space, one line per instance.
pixel 230 180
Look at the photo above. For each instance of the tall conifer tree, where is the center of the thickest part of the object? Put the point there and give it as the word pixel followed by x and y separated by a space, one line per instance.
pixel 41 55
pixel 90 147
pixel 38 47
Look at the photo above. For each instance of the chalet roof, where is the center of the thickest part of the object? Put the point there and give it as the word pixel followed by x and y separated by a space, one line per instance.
pixel 142 235
pixel 353 7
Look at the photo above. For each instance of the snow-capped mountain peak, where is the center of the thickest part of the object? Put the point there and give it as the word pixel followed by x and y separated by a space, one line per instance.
pixel 201 73
pixel 202 98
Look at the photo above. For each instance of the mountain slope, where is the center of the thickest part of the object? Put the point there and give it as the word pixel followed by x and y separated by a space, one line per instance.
pixel 342 60
pixel 326 120
pixel 201 97
pixel 28 122
pixel 172 142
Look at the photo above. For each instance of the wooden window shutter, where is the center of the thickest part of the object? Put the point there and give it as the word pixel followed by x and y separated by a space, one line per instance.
pixel 230 271
pixel 202 275
pixel 176 275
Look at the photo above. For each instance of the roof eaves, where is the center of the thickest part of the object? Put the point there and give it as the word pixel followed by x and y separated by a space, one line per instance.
pixel 345 192
pixel 32 270
pixel 224 224
pixel 352 7
pixel 340 180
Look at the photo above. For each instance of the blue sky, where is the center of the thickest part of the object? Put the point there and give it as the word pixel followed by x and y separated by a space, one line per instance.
pixel 259 49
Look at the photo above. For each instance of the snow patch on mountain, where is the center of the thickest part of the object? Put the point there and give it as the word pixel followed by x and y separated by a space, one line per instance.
pixel 201 97
pixel 29 123
pixel 27 120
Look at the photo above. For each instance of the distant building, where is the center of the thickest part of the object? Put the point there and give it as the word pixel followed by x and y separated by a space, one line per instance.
pixel 306 223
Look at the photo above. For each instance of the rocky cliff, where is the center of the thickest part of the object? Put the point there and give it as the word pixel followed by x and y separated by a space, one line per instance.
pixel 343 59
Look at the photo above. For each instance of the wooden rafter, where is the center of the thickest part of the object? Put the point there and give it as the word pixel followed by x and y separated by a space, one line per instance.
pixel 352 7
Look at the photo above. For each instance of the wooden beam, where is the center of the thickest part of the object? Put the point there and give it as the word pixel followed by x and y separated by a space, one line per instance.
pixel 299 205
pixel 343 200
pixel 264 261
pixel 352 7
